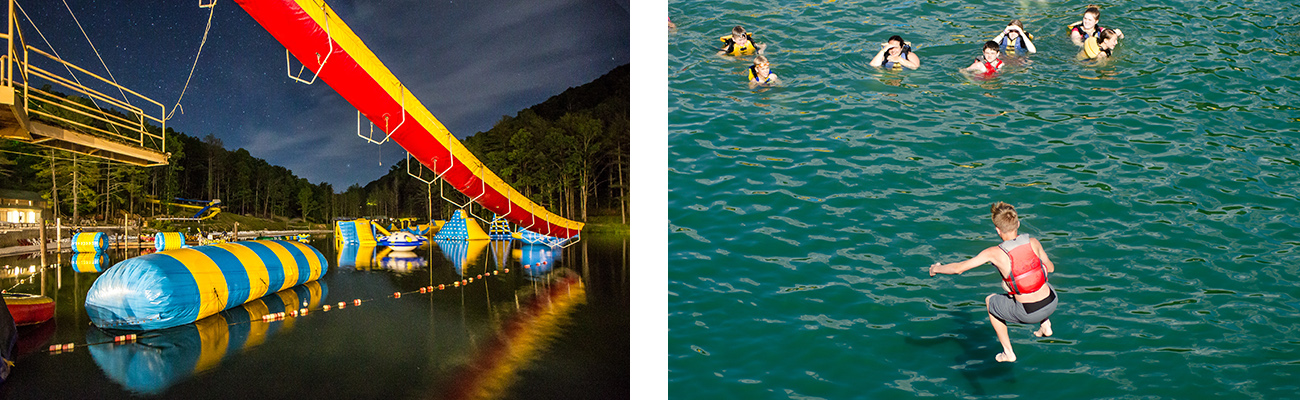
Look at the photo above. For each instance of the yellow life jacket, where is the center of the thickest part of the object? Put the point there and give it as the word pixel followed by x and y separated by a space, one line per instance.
pixel 742 50
pixel 1090 47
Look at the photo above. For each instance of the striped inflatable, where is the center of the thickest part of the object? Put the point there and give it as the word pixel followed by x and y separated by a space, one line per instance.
pixel 168 240
pixel 89 242
pixel 176 287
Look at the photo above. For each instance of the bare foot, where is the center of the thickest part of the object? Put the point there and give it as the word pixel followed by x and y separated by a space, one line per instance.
pixel 1003 357
pixel 1045 330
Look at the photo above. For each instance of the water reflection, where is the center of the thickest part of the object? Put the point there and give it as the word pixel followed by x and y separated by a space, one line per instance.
pixel 89 262
pixel 356 256
pixel 462 253
pixel 160 359
pixel 538 259
pixel 403 262
pixel 501 253
pixel 519 341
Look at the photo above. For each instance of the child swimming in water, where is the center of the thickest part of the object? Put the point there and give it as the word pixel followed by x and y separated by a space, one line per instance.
pixel 740 43
pixel 1014 40
pixel 1101 46
pixel 1023 265
pixel 760 74
pixel 990 63
pixel 895 54
pixel 1088 27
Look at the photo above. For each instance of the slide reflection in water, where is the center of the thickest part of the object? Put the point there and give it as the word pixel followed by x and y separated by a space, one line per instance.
pixel 160 359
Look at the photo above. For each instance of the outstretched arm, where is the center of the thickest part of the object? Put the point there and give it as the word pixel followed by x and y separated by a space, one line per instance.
pixel 959 267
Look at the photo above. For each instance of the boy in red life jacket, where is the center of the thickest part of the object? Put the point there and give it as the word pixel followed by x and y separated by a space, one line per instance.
pixel 990 63
pixel 1023 265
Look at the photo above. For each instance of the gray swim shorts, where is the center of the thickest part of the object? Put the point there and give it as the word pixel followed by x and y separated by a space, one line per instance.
pixel 1007 309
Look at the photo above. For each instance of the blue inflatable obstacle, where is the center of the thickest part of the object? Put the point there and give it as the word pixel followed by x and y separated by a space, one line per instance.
pixel 531 237
pixel 155 362
pixel 168 240
pixel 461 227
pixel 89 242
pixel 176 287
pixel 499 229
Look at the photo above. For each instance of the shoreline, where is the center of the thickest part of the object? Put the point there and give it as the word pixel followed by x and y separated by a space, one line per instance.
pixel 53 245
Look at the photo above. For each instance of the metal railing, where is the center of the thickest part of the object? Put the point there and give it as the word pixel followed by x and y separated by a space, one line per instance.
pixel 103 120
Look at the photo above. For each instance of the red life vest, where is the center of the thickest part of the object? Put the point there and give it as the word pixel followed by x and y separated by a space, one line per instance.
pixel 1027 271
pixel 989 68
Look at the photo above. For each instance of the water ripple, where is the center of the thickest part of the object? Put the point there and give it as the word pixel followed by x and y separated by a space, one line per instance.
pixel 1162 183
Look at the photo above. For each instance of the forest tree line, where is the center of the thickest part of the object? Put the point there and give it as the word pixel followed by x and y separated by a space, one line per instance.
pixel 569 154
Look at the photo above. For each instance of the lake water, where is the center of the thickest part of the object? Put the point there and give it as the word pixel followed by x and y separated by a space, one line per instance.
pixel 550 330
pixel 1162 183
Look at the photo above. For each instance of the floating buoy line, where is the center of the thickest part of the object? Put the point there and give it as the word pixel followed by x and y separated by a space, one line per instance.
pixel 465 281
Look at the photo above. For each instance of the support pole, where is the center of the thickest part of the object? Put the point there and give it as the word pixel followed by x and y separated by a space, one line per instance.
pixel 44 246
pixel 58 234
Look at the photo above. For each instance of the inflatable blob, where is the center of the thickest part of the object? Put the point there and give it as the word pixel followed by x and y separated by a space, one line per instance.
pixel 89 242
pixel 168 240
pixel 177 287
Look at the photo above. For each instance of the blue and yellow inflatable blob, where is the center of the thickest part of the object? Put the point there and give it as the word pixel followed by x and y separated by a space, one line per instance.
pixel 176 287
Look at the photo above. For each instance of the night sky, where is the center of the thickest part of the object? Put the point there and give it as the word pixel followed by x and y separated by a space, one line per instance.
pixel 469 62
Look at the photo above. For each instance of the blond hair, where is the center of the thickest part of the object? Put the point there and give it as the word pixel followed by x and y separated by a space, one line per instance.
pixel 759 59
pixel 1005 217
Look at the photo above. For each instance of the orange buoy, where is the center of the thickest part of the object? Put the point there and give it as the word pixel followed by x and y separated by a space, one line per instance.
pixel 442 287
pixel 455 284
pixel 302 312
pixel 507 270
pixel 356 302
pixel 397 295
pixel 424 290
pixel 327 308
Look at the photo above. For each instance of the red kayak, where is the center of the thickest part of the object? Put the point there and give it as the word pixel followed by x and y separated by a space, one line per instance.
pixel 29 309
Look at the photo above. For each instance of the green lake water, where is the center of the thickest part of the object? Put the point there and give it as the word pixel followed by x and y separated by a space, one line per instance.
pixel 1163 184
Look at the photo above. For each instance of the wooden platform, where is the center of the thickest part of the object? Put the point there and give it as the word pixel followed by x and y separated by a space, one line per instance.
pixel 15 125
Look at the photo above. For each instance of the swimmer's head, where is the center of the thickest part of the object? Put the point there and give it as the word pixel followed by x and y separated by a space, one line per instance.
pixel 760 63
pixel 1005 217
pixel 1091 15
pixel 1109 38
pixel 991 50
pixel 899 44
pixel 738 31
pixel 1020 28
